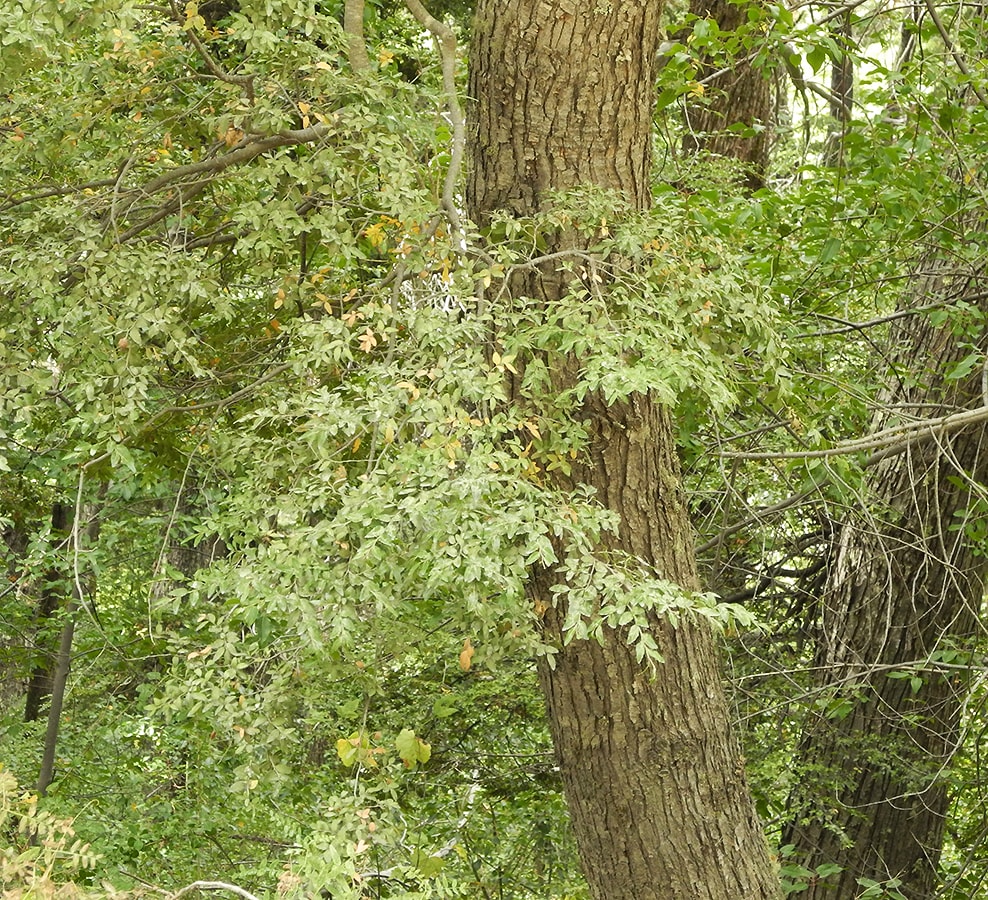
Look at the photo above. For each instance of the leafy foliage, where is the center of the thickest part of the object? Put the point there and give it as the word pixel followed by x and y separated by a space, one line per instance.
pixel 318 437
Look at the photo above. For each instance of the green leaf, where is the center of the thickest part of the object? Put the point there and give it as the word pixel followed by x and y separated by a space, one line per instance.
pixel 816 56
pixel 963 368
pixel 831 248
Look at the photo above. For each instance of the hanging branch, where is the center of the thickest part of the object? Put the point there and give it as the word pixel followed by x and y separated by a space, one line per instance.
pixel 446 40
pixel 353 27
pixel 956 54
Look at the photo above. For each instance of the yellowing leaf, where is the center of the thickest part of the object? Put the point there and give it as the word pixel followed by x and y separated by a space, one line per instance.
pixel 367 340
pixel 466 655
pixel 346 751
pixel 376 234
pixel 533 429
pixel 412 749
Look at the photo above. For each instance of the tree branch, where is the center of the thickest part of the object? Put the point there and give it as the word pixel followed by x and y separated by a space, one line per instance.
pixel 889 440
pixel 244 81
pixel 10 202
pixel 956 54
pixel 242 153
pixel 446 40
pixel 213 886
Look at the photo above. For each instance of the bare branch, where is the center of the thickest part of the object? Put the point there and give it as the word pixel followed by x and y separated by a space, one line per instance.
pixel 886 443
pixel 862 326
pixel 213 886
pixel 446 40
pixel 889 440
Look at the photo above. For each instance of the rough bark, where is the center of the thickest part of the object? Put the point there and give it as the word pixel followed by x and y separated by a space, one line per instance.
pixel 741 95
pixel 653 776
pixel 907 583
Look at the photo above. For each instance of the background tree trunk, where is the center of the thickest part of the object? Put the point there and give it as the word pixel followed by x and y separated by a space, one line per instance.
pixel 740 95
pixel 653 776
pixel 842 91
pixel 907 585
pixel 54 595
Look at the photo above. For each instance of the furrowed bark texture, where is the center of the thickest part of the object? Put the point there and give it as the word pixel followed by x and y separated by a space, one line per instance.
pixel 653 776
pixel 907 584
pixel 742 95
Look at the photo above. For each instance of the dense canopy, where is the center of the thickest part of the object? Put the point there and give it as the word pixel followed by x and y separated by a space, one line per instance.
pixel 513 452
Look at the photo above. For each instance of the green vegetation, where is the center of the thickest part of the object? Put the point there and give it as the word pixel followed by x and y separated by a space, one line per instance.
pixel 283 439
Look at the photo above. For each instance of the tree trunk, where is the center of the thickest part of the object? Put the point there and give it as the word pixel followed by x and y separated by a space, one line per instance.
pixel 53 596
pixel 907 586
pixel 59 681
pixel 653 776
pixel 841 90
pixel 742 95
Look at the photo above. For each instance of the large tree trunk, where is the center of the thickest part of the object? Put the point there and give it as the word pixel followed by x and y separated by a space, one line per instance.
pixel 907 585
pixel 652 773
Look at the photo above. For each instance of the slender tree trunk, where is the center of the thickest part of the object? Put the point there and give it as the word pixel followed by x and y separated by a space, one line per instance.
pixel 60 678
pixel 52 598
pixel 842 92
pixel 653 776
pixel 741 95
pixel 907 586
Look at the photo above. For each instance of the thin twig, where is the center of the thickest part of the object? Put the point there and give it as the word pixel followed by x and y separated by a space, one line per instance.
pixel 9 202
pixel 244 81
pixel 197 407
